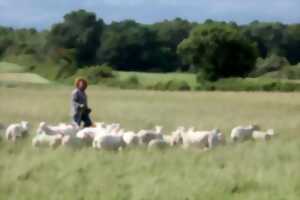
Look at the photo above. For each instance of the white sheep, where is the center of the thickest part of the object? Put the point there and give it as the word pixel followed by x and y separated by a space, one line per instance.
pixel 176 136
pixel 158 144
pixel 147 135
pixel 91 132
pixel 44 140
pixel 202 139
pixel 87 135
pixel 242 133
pixel 72 141
pixel 131 139
pixel 64 129
pixel 263 135
pixel 18 130
pixel 109 142
pixel 99 125
pixel 197 139
pixel 215 138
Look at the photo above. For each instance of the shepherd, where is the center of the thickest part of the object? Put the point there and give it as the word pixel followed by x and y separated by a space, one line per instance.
pixel 79 104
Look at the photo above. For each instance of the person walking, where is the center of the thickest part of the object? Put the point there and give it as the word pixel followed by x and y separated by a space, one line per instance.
pixel 79 104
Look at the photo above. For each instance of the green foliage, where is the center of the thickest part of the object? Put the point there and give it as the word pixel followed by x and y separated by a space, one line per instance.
pixel 269 64
pixel 275 38
pixel 94 74
pixel 170 34
pixel 218 50
pixel 133 80
pixel 128 45
pixel 270 37
pixel 150 79
pixel 80 31
pixel 287 72
pixel 171 85
pixel 212 49
pixel 250 84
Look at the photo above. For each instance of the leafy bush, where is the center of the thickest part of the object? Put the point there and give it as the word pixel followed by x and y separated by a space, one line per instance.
pixel 172 85
pixel 95 74
pixel 178 85
pixel 219 51
pixel 288 72
pixel 133 79
pixel 132 82
pixel 269 64
pixel 249 84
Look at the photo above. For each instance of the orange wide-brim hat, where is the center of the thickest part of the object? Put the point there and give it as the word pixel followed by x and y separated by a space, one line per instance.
pixel 78 80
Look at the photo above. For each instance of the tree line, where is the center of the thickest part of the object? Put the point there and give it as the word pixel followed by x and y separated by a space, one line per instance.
pixel 216 49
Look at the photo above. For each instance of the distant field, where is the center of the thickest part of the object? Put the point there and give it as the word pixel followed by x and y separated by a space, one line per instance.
pixel 151 78
pixel 22 78
pixel 16 74
pixel 6 67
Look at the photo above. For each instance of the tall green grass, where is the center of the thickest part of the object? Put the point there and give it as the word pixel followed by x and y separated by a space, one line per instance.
pixel 6 67
pixel 21 78
pixel 149 79
pixel 245 171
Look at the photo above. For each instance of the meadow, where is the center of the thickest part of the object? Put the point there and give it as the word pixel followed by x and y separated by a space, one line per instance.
pixel 251 170
pixel 148 79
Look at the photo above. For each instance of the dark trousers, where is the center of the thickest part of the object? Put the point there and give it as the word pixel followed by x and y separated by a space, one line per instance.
pixel 84 117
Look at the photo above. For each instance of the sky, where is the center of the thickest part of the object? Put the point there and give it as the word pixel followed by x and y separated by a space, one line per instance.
pixel 41 14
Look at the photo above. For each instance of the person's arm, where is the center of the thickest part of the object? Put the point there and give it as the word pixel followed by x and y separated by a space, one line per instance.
pixel 75 101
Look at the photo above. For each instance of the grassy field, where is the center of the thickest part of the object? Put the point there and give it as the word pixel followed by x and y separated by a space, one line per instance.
pixel 21 78
pixel 147 79
pixel 11 67
pixel 11 73
pixel 245 171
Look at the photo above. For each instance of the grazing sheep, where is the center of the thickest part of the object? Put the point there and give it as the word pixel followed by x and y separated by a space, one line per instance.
pixel 72 141
pixel 109 142
pixel 147 135
pixel 158 144
pixel 196 139
pixel 44 140
pixel 169 139
pixel 176 136
pixel 242 133
pixel 99 125
pixel 19 130
pixel 87 135
pixel 215 138
pixel 131 139
pixel 202 139
pixel 263 135
pixel 64 129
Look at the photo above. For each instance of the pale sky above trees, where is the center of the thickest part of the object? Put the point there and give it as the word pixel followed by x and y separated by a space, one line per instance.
pixel 42 14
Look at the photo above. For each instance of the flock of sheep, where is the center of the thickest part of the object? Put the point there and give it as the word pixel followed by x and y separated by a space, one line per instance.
pixel 112 137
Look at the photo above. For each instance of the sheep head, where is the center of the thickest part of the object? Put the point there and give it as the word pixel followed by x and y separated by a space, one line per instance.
pixel 41 127
pixel 158 129
pixel 270 132
pixel 25 125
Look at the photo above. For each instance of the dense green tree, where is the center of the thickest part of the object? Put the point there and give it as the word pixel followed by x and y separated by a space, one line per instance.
pixel 81 31
pixel 218 50
pixel 128 45
pixel 170 34
pixel 292 44
pixel 270 37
